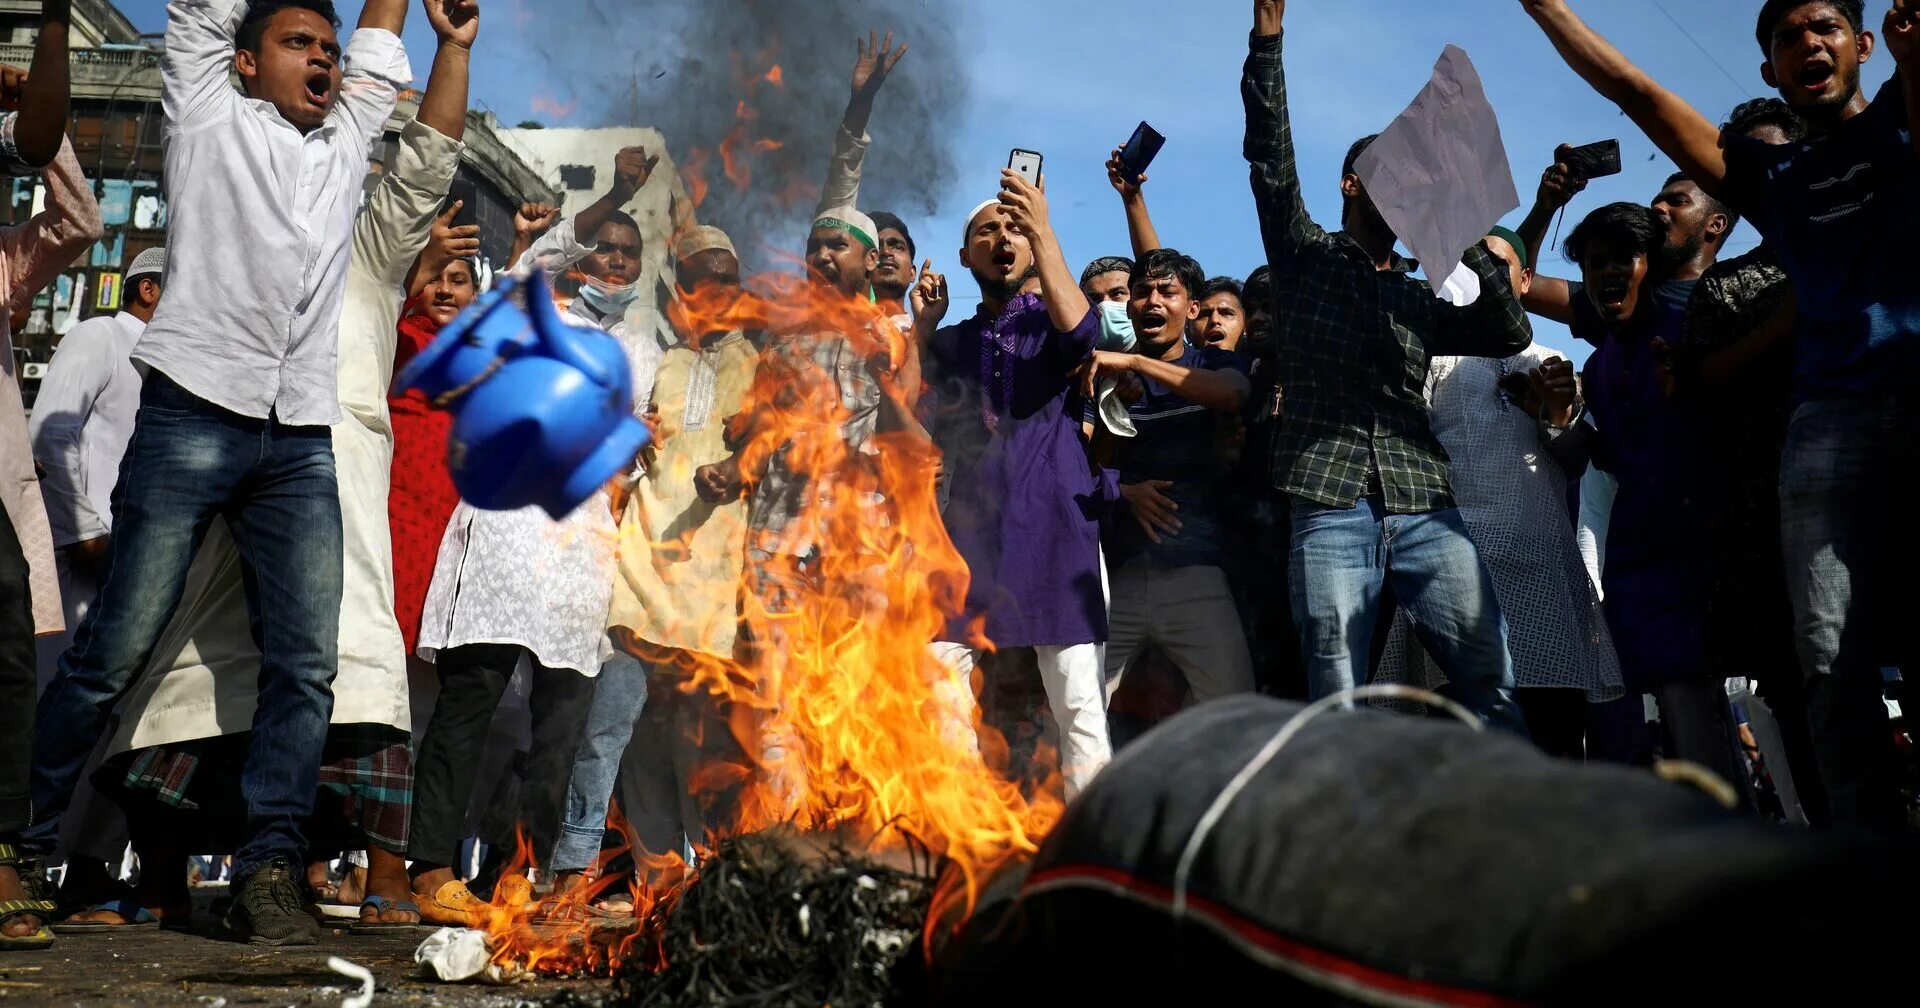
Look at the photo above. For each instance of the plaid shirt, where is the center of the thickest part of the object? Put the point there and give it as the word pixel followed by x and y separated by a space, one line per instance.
pixel 1353 341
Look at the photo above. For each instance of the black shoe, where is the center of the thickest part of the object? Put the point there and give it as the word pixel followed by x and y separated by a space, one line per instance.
pixel 267 908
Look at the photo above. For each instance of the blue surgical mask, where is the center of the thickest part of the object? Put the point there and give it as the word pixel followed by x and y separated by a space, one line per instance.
pixel 608 299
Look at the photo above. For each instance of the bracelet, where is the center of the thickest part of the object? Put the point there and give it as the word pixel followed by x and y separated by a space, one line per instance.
pixel 10 162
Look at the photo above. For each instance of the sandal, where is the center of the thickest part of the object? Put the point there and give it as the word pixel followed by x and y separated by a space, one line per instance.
pixel 381 904
pixel 454 905
pixel 134 917
pixel 32 873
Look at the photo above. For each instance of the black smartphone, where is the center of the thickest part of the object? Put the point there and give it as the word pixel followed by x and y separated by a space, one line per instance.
pixel 1595 160
pixel 1140 150
pixel 468 194
pixel 1026 163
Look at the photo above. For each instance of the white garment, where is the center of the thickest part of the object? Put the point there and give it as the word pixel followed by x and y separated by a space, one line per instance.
pixel 203 680
pixel 1597 491
pixel 519 577
pixel 1076 694
pixel 1513 498
pixel 82 420
pixel 260 232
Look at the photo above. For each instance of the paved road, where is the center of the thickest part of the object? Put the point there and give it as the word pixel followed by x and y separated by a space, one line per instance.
pixel 165 969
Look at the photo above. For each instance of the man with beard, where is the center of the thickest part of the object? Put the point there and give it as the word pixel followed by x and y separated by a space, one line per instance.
pixel 1026 505
pixel 1734 366
pixel 1659 553
pixel 1838 205
pixel 1696 229
pixel 1356 453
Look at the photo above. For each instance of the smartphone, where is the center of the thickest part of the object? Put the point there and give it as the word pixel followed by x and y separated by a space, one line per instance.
pixel 1026 163
pixel 1140 150
pixel 467 193
pixel 1595 160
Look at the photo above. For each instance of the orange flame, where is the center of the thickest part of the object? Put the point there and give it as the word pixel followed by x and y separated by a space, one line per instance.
pixel 850 723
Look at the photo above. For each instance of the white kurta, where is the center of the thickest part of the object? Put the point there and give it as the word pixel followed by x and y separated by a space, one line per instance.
pixel 519 577
pixel 1513 498
pixel 31 256
pixel 82 421
pixel 204 678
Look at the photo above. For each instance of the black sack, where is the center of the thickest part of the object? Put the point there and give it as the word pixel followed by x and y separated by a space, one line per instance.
pixel 1390 860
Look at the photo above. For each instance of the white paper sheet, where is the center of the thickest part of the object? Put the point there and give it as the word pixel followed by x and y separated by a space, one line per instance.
pixel 1439 173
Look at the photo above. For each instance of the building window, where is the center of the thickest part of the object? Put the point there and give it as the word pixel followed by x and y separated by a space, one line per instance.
pixel 577 177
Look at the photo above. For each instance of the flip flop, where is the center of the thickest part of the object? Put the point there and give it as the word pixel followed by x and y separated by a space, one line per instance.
pixel 454 905
pixel 32 872
pixel 137 918
pixel 381 904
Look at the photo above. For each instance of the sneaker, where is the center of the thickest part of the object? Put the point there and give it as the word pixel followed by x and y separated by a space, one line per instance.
pixel 267 908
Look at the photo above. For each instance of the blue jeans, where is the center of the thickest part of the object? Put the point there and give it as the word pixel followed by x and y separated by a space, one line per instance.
pixel 189 462
pixel 619 697
pixel 1342 557
pixel 1848 467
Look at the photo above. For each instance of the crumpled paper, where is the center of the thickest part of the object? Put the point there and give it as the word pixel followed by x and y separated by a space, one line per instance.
pixel 457 955
pixel 1439 174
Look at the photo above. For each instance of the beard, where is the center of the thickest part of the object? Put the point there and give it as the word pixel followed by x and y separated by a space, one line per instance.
pixel 995 289
pixel 1672 257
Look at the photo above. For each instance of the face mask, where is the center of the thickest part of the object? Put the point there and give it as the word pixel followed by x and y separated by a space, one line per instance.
pixel 608 299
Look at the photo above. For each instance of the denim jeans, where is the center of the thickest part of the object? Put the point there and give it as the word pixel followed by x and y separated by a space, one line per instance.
pixel 1341 560
pixel 1848 466
pixel 619 698
pixel 187 463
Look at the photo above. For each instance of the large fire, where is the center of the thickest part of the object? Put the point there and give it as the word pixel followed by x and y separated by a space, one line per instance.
pixel 851 727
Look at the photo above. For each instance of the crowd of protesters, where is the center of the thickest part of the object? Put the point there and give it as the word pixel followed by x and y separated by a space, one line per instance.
pixel 269 626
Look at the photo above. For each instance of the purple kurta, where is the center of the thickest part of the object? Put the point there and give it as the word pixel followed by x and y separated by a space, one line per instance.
pixel 1026 501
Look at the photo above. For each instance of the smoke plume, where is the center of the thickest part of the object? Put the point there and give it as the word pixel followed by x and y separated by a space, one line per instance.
pixel 687 66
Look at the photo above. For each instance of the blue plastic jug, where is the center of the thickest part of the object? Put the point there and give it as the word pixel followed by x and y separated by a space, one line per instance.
pixel 543 409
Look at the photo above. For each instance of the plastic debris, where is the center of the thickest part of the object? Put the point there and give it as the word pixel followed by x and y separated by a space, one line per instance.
pixel 457 955
pixel 358 972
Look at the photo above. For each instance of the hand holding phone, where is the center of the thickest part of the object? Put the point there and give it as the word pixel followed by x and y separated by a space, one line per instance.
pixel 1140 150
pixel 1026 164
pixel 1592 161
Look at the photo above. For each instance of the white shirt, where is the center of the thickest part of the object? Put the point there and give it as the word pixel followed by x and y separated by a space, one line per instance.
pixel 82 421
pixel 261 221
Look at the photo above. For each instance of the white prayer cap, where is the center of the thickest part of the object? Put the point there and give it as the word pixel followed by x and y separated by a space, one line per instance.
pixel 705 238
pixel 152 262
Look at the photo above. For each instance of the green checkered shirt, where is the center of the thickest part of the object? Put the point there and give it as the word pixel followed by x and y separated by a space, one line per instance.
pixel 1352 341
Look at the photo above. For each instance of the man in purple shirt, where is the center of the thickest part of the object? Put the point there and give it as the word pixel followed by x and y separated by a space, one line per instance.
pixel 1026 501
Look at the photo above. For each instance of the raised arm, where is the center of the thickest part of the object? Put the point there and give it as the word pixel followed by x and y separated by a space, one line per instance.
pixel 1133 198
pixel 631 169
pixel 1026 203
pixel 1901 32
pixel 875 59
pixel 198 54
pixel 1222 389
pixel 1550 297
pixel 456 23
pixel 44 98
pixel 376 68
pixel 1284 225
pixel 1678 129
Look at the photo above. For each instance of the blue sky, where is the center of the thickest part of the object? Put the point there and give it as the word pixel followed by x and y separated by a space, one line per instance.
pixel 1071 78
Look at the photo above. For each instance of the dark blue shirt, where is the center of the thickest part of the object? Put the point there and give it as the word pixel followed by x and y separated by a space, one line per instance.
pixel 1659 537
pixel 1840 208
pixel 1177 440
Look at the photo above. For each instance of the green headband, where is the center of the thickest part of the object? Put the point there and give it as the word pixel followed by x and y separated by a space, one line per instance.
pixel 835 222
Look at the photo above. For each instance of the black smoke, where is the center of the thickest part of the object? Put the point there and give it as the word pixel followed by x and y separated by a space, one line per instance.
pixel 683 66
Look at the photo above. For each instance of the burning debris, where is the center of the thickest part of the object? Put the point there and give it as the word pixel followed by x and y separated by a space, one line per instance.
pixel 776 920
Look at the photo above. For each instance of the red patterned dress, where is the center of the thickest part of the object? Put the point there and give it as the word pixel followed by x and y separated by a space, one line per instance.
pixel 423 496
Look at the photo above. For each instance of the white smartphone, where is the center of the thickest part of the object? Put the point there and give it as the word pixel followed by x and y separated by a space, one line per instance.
pixel 1026 163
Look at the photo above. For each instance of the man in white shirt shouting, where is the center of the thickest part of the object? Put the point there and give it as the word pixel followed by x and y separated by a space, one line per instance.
pixel 239 362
